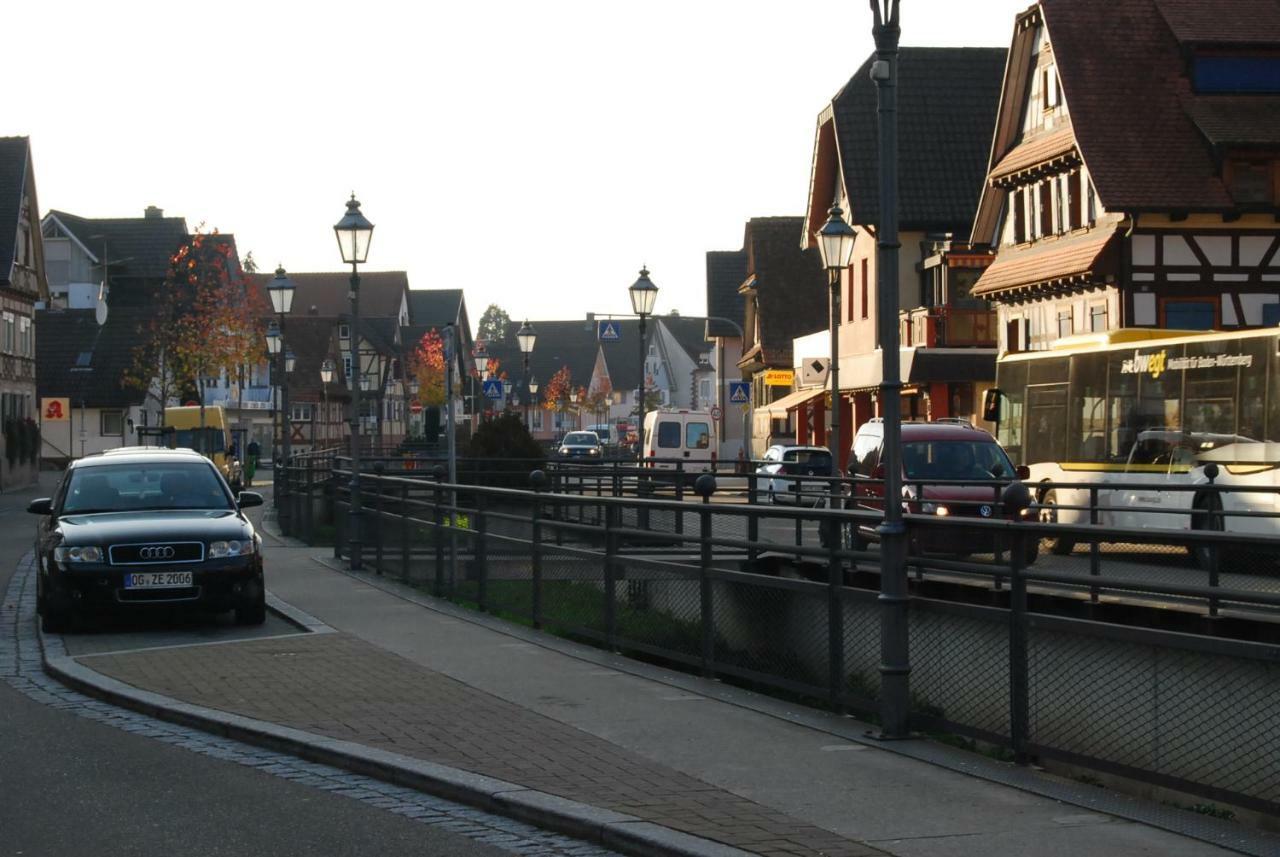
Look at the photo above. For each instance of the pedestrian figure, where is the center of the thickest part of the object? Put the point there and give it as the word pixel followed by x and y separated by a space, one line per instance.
pixel 251 467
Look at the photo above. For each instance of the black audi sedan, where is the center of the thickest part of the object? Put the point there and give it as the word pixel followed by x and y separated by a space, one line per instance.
pixel 140 528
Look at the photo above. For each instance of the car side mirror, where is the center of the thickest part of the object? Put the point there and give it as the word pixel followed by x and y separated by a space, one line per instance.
pixel 991 405
pixel 878 472
pixel 1022 472
pixel 249 499
pixel 43 506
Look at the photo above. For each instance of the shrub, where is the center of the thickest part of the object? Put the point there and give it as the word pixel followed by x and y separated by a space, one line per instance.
pixel 505 452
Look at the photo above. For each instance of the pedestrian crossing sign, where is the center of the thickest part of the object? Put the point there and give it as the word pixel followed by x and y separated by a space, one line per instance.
pixel 739 392
pixel 493 389
pixel 608 331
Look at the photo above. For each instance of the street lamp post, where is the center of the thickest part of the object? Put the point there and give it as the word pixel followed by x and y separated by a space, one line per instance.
pixel 281 290
pixel 532 387
pixel 895 662
pixel 413 388
pixel 326 377
pixel 835 242
pixel 644 294
pixel 526 336
pixel 481 356
pixel 577 415
pixel 354 232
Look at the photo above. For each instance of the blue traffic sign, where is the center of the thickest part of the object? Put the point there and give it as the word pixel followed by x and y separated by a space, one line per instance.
pixel 493 389
pixel 740 392
pixel 608 331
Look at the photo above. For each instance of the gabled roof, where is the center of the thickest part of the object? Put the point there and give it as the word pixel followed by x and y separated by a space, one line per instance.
pixel 14 157
pixel 559 343
pixel 436 307
pixel 63 335
pixel 325 294
pixel 137 247
pixel 789 282
pixel 689 332
pixel 313 340
pixel 947 101
pixel 726 269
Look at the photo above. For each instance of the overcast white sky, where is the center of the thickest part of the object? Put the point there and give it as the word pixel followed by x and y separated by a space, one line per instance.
pixel 535 154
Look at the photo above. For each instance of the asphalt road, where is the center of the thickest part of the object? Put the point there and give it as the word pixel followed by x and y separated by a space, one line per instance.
pixel 70 785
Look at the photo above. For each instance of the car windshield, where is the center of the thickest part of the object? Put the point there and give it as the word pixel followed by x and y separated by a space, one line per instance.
pixel 955 459
pixel 581 438
pixel 818 459
pixel 128 487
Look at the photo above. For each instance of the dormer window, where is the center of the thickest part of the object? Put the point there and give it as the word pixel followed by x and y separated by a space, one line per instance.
pixel 1235 74
pixel 1251 180
pixel 344 331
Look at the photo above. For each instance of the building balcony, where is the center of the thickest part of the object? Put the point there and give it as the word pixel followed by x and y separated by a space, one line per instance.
pixel 947 327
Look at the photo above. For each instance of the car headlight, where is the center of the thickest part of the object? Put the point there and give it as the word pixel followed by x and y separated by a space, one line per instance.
pixel 934 509
pixel 593 452
pixel 564 450
pixel 218 550
pixel 77 554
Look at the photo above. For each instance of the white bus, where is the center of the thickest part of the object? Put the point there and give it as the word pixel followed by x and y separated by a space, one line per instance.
pixel 1147 409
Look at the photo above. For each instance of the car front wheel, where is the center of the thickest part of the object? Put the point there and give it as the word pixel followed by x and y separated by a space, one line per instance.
pixel 254 610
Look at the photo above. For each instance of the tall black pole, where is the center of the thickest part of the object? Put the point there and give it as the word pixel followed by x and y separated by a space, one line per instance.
pixel 353 526
pixel 526 392
pixel 640 404
pixel 286 429
pixel 833 282
pixel 895 663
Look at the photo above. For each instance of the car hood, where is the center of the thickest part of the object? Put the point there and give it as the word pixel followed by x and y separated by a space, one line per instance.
pixel 975 493
pixel 117 527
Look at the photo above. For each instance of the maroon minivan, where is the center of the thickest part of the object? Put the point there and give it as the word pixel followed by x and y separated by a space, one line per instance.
pixel 938 458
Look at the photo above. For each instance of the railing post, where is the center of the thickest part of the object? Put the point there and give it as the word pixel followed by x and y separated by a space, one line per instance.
pixel 1019 681
pixel 378 470
pixel 835 613
pixel 1095 548
pixel 610 576
pixel 480 555
pixel 680 497
pixel 404 532
pixel 1217 524
pixel 795 491
pixel 706 486
pixel 998 557
pixel 439 520
pixel 339 519
pixel 309 511
pixel 539 481
pixel 753 516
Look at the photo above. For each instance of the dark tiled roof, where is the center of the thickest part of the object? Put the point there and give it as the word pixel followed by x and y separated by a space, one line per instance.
pixel 1242 22
pixel 62 335
pixel 791 286
pixel 1125 86
pixel 13 178
pixel 436 307
pixel 1238 120
pixel 559 343
pixel 138 247
pixel 1051 262
pixel 312 340
pixel 726 269
pixel 947 99
pixel 690 332
pixel 326 292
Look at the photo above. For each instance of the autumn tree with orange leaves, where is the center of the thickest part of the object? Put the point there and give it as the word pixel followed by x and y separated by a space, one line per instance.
pixel 426 364
pixel 207 322
pixel 556 391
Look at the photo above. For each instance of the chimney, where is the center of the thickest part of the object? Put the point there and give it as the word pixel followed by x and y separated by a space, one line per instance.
pixel 153 213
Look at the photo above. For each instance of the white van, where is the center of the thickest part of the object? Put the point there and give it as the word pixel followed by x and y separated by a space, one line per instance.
pixel 680 435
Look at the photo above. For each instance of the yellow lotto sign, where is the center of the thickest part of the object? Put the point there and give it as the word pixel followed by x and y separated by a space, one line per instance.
pixel 55 410
pixel 779 377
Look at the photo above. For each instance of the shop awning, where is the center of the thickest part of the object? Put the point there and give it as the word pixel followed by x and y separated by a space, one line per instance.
pixel 791 401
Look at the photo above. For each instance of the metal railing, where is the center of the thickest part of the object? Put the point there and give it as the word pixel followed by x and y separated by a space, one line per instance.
pixel 1129 659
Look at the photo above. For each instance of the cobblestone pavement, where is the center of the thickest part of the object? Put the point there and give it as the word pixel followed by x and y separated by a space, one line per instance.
pixel 20 667
pixel 339 686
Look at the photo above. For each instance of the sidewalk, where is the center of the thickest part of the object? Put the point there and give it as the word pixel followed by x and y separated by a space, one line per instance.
pixel 647 760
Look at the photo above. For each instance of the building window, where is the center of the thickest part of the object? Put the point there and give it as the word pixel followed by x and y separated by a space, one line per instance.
pixel 866 292
pixel 344 331
pixel 346 367
pixel 1250 181
pixel 302 412
pixel 1098 318
pixel 1190 315
pixel 112 424
pixel 537 420
pixel 8 342
pixel 1064 324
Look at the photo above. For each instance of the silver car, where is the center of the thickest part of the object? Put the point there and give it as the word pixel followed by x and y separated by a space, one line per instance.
pixel 789 474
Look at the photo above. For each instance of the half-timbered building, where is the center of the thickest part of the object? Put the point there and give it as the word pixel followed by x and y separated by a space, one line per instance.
pixel 1134 173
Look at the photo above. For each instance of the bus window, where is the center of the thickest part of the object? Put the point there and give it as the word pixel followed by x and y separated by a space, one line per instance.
pixel 1011 378
pixel 1211 391
pixel 1046 422
pixel 1087 409
pixel 1122 412
pixel 1254 392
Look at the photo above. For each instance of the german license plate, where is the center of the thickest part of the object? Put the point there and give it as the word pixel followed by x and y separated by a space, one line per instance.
pixel 157 580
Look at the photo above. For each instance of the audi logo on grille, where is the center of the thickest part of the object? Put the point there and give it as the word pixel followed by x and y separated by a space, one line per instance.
pixel 156 552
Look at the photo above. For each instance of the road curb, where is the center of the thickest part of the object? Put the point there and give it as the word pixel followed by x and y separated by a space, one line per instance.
pixel 618 831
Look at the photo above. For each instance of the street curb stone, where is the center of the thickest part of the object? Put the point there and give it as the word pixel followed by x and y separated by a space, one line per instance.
pixel 618 831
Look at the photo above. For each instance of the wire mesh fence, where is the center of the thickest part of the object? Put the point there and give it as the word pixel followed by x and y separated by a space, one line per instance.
pixel 1012 640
